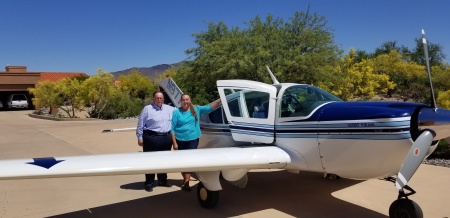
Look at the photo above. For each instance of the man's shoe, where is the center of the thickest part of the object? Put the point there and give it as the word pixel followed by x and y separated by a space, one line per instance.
pixel 149 187
pixel 165 184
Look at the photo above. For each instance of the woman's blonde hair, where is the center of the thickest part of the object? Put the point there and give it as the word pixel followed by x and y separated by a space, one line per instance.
pixel 191 107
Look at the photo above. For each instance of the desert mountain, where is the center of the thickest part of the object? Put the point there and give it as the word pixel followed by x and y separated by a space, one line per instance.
pixel 150 72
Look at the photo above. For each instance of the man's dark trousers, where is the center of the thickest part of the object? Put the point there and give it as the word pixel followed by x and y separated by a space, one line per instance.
pixel 154 142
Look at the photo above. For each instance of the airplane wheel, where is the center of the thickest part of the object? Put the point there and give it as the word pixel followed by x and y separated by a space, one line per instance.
pixel 208 199
pixel 405 208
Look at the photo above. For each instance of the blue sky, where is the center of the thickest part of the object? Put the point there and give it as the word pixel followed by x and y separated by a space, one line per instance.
pixel 84 35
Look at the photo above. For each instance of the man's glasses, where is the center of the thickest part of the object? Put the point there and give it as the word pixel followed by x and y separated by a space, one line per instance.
pixel 158 98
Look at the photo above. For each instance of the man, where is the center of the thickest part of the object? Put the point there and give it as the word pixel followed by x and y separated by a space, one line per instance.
pixel 153 133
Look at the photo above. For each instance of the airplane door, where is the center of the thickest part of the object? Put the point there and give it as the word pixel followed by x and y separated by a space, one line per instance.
pixel 250 109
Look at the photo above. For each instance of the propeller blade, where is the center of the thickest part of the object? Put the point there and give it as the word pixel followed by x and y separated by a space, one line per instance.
pixel 415 157
pixel 427 62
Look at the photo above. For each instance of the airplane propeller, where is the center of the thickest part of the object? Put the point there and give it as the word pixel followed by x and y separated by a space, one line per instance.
pixel 414 158
pixel 419 149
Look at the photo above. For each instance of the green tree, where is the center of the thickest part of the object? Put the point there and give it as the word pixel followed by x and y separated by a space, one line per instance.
pixel 443 99
pixel 121 105
pixel 297 51
pixel 198 94
pixel 46 95
pixel 171 72
pixel 356 79
pixel 408 76
pixel 436 53
pixel 441 77
pixel 361 55
pixel 307 49
pixel 96 92
pixel 386 48
pixel 69 90
pixel 81 78
pixel 137 85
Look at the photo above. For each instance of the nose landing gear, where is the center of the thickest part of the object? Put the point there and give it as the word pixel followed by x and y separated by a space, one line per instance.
pixel 404 207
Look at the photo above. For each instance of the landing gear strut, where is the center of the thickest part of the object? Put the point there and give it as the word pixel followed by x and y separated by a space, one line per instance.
pixel 403 207
pixel 208 199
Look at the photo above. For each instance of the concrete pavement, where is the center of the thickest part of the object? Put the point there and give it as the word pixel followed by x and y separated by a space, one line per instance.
pixel 268 194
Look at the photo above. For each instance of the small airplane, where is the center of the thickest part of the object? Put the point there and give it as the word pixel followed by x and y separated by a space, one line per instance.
pixel 295 127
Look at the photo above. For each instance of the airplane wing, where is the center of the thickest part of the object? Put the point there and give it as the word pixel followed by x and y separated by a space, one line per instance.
pixel 199 160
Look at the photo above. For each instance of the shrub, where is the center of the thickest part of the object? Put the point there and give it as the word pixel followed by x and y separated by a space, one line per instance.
pixel 442 151
pixel 121 105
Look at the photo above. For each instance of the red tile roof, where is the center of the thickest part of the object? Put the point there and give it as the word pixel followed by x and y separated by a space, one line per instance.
pixel 55 76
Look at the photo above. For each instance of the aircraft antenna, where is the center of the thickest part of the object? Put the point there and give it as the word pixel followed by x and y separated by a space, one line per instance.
pixel 427 61
pixel 275 81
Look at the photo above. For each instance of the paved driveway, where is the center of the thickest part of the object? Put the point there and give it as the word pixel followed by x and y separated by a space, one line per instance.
pixel 268 194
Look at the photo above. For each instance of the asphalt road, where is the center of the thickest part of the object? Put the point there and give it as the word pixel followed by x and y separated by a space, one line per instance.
pixel 268 193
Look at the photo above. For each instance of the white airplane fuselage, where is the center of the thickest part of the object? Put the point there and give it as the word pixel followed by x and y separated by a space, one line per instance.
pixel 334 137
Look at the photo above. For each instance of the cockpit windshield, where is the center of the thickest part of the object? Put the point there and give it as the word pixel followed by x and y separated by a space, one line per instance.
pixel 301 100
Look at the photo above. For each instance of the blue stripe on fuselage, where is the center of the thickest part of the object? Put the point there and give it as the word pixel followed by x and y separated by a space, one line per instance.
pixel 342 120
pixel 341 111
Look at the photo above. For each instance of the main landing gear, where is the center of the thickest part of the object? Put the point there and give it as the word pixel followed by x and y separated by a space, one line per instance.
pixel 208 199
pixel 403 207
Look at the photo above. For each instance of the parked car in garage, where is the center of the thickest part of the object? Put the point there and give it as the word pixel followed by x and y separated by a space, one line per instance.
pixel 17 101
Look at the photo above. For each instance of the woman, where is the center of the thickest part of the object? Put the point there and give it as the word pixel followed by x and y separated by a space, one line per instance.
pixel 186 128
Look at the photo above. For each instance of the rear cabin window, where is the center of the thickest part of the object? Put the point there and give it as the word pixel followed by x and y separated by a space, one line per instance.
pixel 257 104
pixel 248 104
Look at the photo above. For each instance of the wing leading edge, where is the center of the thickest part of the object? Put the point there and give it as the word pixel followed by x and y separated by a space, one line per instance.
pixel 200 160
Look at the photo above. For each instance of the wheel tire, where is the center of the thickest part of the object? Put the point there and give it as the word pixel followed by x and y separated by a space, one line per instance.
pixel 405 208
pixel 207 199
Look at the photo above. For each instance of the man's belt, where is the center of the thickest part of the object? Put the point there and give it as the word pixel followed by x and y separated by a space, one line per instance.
pixel 150 132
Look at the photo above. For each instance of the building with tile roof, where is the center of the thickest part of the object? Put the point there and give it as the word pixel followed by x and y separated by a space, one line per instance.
pixel 55 76
pixel 16 80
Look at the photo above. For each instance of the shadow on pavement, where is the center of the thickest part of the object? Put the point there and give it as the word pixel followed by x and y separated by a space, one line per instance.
pixel 133 186
pixel 284 194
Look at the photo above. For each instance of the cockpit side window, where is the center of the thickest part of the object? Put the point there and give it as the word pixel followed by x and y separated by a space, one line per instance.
pixel 301 100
